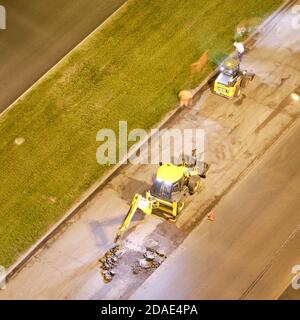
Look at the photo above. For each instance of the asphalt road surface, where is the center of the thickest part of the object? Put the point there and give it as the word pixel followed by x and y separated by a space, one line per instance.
pixel 39 33
pixel 249 250
pixel 290 294
pixel 255 207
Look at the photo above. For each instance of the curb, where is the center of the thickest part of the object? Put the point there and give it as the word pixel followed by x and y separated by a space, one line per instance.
pixel 96 187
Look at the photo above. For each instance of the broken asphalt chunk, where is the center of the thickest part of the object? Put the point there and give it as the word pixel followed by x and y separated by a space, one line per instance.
pixel 109 261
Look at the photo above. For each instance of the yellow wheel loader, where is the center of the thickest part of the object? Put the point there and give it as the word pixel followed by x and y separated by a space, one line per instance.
pixel 172 184
pixel 231 79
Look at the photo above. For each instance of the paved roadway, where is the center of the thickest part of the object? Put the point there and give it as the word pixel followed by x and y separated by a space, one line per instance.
pixel 39 33
pixel 250 249
pixel 239 133
pixel 290 294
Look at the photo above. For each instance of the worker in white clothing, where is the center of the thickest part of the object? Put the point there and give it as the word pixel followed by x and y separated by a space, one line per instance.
pixel 240 49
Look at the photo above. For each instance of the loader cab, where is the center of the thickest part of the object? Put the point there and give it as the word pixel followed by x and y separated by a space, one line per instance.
pixel 169 180
pixel 228 81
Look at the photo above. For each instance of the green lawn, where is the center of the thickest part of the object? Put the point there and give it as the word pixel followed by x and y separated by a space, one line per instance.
pixel 130 69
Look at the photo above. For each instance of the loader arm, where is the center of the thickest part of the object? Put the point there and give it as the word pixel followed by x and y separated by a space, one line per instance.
pixel 138 202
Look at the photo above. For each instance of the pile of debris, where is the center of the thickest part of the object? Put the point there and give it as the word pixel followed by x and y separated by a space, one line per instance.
pixel 109 262
pixel 151 260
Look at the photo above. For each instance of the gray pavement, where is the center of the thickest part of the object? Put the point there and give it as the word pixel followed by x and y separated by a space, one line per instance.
pixel 239 133
pixel 290 294
pixel 249 250
pixel 39 33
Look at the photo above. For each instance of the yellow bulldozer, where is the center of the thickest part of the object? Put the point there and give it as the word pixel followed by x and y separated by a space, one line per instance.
pixel 171 186
pixel 231 79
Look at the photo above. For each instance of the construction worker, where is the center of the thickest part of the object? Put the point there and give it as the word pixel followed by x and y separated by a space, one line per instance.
pixel 240 49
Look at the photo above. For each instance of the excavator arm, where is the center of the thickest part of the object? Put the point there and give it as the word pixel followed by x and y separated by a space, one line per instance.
pixel 138 202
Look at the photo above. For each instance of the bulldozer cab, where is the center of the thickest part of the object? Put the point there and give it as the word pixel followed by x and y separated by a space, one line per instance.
pixel 168 180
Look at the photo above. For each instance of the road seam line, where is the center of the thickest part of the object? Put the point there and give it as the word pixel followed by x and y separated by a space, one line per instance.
pixel 270 264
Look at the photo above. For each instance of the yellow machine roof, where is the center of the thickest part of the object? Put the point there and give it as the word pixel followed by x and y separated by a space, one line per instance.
pixel 231 63
pixel 170 173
